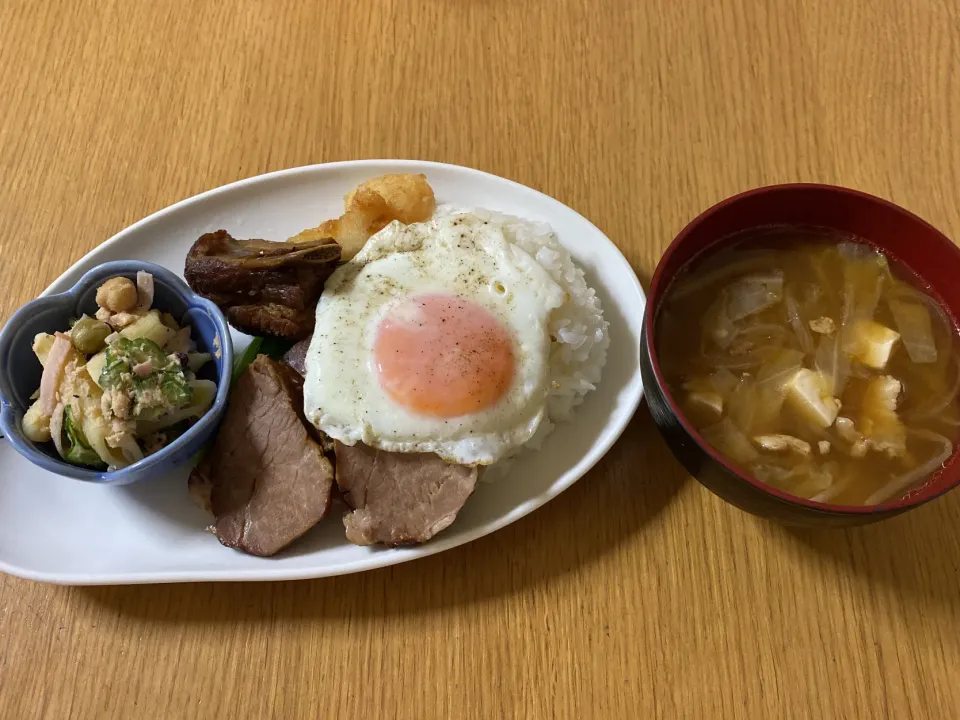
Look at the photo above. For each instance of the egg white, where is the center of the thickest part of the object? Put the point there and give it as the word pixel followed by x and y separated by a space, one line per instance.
pixel 461 255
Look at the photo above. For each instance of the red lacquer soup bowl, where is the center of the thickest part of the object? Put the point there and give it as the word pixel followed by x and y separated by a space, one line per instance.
pixel 900 234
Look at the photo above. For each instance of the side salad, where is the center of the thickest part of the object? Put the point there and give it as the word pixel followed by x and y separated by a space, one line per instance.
pixel 118 386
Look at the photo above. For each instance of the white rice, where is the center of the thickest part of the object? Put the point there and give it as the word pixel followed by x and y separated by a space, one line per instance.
pixel 579 332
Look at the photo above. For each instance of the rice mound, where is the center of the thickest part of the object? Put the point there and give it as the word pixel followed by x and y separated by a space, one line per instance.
pixel 579 333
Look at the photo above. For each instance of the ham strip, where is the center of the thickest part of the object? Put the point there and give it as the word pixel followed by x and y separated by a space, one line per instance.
pixel 53 372
pixel 144 290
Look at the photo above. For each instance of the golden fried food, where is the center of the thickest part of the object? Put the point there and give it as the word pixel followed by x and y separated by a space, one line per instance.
pixel 367 213
pixel 371 206
pixel 409 197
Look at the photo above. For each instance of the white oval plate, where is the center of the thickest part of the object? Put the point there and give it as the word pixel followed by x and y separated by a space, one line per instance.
pixel 59 530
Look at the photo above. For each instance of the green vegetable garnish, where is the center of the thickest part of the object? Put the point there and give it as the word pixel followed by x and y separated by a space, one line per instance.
pixel 272 347
pixel 124 355
pixel 174 386
pixel 77 449
pixel 275 348
pixel 246 358
pixel 165 374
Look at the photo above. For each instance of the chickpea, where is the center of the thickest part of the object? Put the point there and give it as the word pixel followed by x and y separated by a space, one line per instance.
pixel 89 335
pixel 117 295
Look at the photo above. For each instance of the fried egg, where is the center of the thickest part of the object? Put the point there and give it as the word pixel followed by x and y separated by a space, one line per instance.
pixel 434 338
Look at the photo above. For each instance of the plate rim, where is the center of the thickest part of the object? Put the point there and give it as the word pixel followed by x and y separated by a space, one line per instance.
pixel 384 558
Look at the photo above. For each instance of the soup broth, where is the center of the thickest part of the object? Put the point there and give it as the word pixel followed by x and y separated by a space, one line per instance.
pixel 814 363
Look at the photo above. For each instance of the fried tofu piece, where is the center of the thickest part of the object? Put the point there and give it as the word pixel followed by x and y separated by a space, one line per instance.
pixel 807 395
pixel 880 428
pixel 373 205
pixel 871 343
pixel 878 416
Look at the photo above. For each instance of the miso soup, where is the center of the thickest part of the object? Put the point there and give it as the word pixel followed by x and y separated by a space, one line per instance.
pixel 814 363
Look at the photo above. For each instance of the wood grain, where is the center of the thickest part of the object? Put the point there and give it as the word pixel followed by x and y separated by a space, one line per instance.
pixel 636 594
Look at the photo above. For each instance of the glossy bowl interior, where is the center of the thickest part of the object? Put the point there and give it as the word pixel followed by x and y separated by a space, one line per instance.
pixel 20 371
pixel 900 234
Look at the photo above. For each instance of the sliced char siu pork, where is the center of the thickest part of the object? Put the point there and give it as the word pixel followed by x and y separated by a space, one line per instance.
pixel 263 287
pixel 266 477
pixel 399 498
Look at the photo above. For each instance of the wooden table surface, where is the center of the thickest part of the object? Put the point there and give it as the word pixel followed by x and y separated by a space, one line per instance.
pixel 635 594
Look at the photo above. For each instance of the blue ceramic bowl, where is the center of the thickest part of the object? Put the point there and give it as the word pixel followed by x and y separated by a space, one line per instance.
pixel 20 371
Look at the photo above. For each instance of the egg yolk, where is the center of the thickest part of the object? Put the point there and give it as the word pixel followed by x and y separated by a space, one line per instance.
pixel 443 356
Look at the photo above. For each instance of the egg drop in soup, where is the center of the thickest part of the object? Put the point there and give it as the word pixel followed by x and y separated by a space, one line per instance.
pixel 814 363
